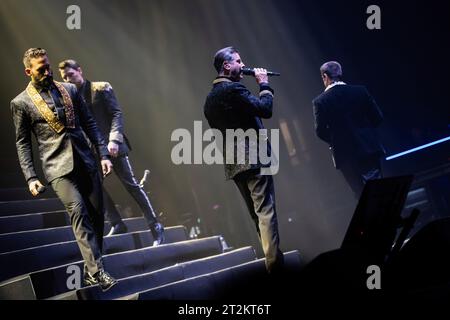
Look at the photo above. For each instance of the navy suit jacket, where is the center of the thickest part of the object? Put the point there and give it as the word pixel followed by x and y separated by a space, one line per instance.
pixel 102 102
pixel 56 150
pixel 346 117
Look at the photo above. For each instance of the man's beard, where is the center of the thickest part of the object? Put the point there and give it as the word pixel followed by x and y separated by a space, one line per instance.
pixel 45 82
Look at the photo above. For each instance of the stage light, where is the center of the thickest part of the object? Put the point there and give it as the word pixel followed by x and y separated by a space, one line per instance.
pixel 417 148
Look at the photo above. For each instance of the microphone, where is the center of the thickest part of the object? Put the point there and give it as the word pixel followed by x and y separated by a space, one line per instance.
pixel 251 72
pixel 144 178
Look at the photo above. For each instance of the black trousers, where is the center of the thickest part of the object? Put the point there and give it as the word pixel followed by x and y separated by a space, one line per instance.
pixel 124 171
pixel 259 195
pixel 358 171
pixel 81 193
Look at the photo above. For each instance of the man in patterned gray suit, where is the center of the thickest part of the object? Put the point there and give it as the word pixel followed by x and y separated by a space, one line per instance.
pixel 101 100
pixel 55 113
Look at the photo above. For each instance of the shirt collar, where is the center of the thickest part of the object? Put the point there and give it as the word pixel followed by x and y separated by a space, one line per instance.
pixel 336 83
pixel 221 79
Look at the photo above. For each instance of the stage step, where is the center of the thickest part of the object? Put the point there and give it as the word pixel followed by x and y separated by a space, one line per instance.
pixel 146 281
pixel 28 260
pixel 14 194
pixel 248 280
pixel 52 281
pixel 20 207
pixel 34 221
pixel 40 259
pixel 34 238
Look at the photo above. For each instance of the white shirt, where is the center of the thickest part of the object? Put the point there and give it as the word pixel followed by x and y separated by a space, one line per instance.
pixel 337 83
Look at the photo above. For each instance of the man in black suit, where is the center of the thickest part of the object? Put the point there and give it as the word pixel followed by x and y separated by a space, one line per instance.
pixel 346 117
pixel 55 113
pixel 230 105
pixel 102 102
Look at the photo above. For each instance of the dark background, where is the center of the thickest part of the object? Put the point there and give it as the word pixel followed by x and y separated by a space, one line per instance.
pixel 158 57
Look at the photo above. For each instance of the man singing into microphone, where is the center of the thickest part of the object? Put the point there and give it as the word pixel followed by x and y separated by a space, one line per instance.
pixel 230 105
pixel 102 102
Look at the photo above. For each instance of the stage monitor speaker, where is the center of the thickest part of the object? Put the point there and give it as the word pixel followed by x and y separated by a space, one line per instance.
pixel 374 224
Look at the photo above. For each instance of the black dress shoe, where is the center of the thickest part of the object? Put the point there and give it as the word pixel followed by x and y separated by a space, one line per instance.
pixel 118 229
pixel 157 230
pixel 104 280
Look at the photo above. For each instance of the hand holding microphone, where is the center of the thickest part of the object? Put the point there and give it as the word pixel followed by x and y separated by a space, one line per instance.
pixel 261 74
pixel 251 72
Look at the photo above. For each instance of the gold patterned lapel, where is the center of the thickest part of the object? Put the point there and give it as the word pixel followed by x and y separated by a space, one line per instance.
pixel 47 113
pixel 68 105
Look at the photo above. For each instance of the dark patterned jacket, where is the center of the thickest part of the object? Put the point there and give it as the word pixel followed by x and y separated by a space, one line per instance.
pixel 56 150
pixel 346 117
pixel 102 102
pixel 230 105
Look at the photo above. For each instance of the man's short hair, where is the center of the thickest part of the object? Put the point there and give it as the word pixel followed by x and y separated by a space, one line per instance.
pixel 225 54
pixel 69 63
pixel 32 53
pixel 332 69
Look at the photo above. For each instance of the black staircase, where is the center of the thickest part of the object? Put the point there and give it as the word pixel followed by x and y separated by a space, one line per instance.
pixel 38 255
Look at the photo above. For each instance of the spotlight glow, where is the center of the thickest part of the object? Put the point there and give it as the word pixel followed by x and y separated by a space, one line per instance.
pixel 417 148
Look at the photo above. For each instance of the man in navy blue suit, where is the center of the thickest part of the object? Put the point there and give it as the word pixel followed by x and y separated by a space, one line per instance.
pixel 346 117
pixel 102 102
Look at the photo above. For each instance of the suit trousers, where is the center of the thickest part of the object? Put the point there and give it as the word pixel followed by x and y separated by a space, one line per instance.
pixel 259 195
pixel 124 171
pixel 358 171
pixel 81 193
